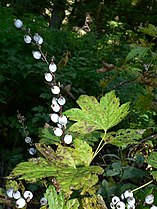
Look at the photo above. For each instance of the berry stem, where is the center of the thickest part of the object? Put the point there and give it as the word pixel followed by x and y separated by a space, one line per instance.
pixel 134 190
pixel 42 54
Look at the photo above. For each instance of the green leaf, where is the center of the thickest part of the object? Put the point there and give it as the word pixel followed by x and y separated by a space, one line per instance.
pixel 124 137
pixel 152 159
pixel 154 173
pixel 150 30
pixel 72 204
pixel 90 138
pixel 137 51
pixel 82 150
pixel 94 202
pixel 130 172
pixel 68 156
pixel 47 136
pixel 68 178
pixel 95 115
pixel 55 201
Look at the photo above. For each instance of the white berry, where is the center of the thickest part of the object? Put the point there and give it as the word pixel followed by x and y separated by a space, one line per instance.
pixel 36 37
pixel 20 203
pixel 63 120
pixel 10 192
pixel 28 139
pixel 27 39
pixel 40 41
pixel 32 151
pixel 153 207
pixel 16 195
pixel 58 132
pixel 48 77
pixel 55 108
pixel 54 101
pixel 115 199
pixel 131 200
pixel 120 205
pixel 52 68
pixel 112 206
pixel 59 125
pixel 18 23
pixel 55 90
pixel 37 55
pixel 28 195
pixel 54 117
pixel 68 139
pixel 61 100
pixel 128 193
pixel 149 199
pixel 43 201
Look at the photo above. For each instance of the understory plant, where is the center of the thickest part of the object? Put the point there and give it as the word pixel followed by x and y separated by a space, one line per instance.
pixel 63 171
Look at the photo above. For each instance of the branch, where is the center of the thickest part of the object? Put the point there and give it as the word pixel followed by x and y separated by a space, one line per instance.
pixel 122 83
pixel 142 141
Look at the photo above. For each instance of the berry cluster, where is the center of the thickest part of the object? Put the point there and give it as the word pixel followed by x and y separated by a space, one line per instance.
pixel 126 201
pixel 21 200
pixel 58 100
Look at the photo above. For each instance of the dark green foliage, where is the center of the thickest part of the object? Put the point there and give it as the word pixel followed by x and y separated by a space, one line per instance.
pixel 84 61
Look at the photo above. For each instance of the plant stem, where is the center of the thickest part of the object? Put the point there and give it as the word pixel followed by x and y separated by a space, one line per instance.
pixel 134 190
pixel 99 148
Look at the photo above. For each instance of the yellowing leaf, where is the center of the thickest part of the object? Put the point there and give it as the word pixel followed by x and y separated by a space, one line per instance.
pixel 124 137
pixel 95 115
pixel 68 177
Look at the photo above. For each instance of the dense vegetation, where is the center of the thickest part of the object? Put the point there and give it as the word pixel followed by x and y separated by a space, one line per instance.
pixel 104 50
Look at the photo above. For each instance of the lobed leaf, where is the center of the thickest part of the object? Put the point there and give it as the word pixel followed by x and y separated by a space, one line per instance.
pixel 124 137
pixel 95 115
pixel 68 177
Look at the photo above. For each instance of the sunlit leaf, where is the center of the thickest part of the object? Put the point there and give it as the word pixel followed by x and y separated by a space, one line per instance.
pixel 68 177
pixel 54 200
pixel 95 115
pixel 124 137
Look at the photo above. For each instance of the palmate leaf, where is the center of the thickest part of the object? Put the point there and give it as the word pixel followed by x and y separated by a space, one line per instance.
pixel 69 156
pixel 68 177
pixel 124 137
pixel 95 115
